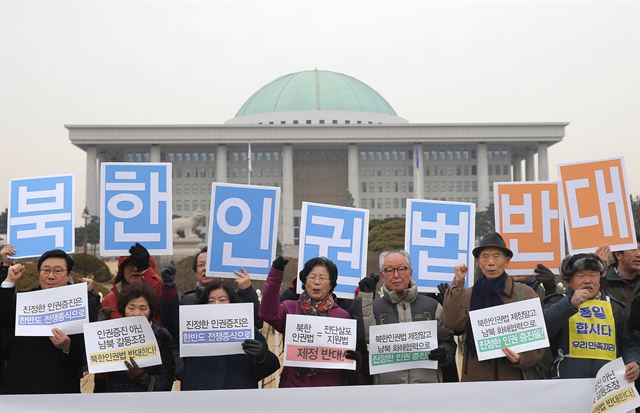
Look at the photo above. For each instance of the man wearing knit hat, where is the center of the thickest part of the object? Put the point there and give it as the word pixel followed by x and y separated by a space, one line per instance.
pixel 586 327
pixel 494 287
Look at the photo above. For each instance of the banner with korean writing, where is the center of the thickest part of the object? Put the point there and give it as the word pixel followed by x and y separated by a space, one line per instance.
pixel 611 392
pixel 215 329
pixel 438 236
pixel 597 205
pixel 340 234
pixel 109 343
pixel 402 346
pixel 528 215
pixel 243 230
pixel 519 326
pixel 135 206
pixel 319 342
pixel 38 312
pixel 41 215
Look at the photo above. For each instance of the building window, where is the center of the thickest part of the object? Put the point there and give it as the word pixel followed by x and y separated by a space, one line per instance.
pixel 335 121
pixel 321 121
pixel 474 186
pixel 474 170
pixel 490 169
pixel 203 205
pixel 363 186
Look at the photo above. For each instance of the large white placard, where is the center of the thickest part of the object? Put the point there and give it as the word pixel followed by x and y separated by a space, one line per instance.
pixel 320 342
pixel 402 346
pixel 38 312
pixel 215 329
pixel 519 326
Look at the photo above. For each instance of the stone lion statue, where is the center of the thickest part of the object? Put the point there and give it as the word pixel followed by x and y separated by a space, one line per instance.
pixel 188 225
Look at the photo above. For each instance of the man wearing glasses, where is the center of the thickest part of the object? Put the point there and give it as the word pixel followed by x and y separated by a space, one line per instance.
pixel 401 303
pixel 43 364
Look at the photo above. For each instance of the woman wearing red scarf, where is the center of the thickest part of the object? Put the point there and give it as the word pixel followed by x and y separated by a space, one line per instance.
pixel 319 277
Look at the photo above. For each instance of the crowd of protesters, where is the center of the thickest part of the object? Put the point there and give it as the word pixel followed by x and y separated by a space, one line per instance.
pixel 55 364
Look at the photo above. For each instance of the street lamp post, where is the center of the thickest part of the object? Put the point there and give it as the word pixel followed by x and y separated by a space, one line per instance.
pixel 85 215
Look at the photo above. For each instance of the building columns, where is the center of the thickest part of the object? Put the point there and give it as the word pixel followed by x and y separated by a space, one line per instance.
pixel 154 153
pixel 418 172
pixel 287 195
pixel 543 162
pixel 529 167
pixel 92 184
pixel 221 163
pixel 353 182
pixel 483 177
pixel 516 162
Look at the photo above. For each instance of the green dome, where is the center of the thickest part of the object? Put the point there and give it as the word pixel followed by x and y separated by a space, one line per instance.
pixel 315 90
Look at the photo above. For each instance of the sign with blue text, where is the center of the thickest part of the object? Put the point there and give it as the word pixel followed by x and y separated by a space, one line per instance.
pixel 243 229
pixel 135 206
pixel 339 233
pixel 40 216
pixel 438 236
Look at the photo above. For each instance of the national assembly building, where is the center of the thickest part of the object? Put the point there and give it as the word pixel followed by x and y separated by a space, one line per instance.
pixel 326 137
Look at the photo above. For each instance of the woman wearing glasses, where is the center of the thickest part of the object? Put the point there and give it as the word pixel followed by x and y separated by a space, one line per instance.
pixel 319 277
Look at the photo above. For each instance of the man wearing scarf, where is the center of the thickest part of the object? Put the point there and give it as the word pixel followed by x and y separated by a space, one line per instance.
pixel 493 288
pixel 401 303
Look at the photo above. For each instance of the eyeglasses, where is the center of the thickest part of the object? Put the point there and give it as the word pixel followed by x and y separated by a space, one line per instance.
pixel 321 277
pixel 57 271
pixel 400 270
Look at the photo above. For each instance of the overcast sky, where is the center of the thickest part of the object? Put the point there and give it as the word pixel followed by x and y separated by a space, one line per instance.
pixel 197 62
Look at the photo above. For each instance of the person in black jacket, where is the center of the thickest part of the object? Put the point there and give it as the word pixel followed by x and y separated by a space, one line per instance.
pixel 140 299
pixel 235 371
pixel 41 365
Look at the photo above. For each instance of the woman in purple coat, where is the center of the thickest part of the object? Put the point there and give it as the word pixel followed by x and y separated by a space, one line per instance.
pixel 319 277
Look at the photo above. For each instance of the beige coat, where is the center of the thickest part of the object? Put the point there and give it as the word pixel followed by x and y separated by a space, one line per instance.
pixel 455 316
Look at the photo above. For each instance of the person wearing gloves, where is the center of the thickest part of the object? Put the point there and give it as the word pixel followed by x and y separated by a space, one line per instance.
pixel 140 299
pixel 43 365
pixel 137 267
pixel 234 371
pixel 319 277
pixel 493 288
pixel 586 327
pixel 401 303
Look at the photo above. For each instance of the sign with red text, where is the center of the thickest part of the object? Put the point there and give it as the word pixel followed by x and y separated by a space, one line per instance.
pixel 597 205
pixel 612 393
pixel 528 215
pixel 319 342
pixel 109 343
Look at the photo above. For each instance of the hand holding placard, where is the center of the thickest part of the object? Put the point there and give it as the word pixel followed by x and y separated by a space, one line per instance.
pixel 60 340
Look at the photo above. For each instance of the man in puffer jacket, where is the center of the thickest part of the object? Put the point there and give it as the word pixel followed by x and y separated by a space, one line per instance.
pixel 401 303
pixel 586 327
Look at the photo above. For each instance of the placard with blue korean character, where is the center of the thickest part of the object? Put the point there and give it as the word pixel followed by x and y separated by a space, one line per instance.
pixel 135 206
pixel 40 216
pixel 340 234
pixel 438 236
pixel 244 229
